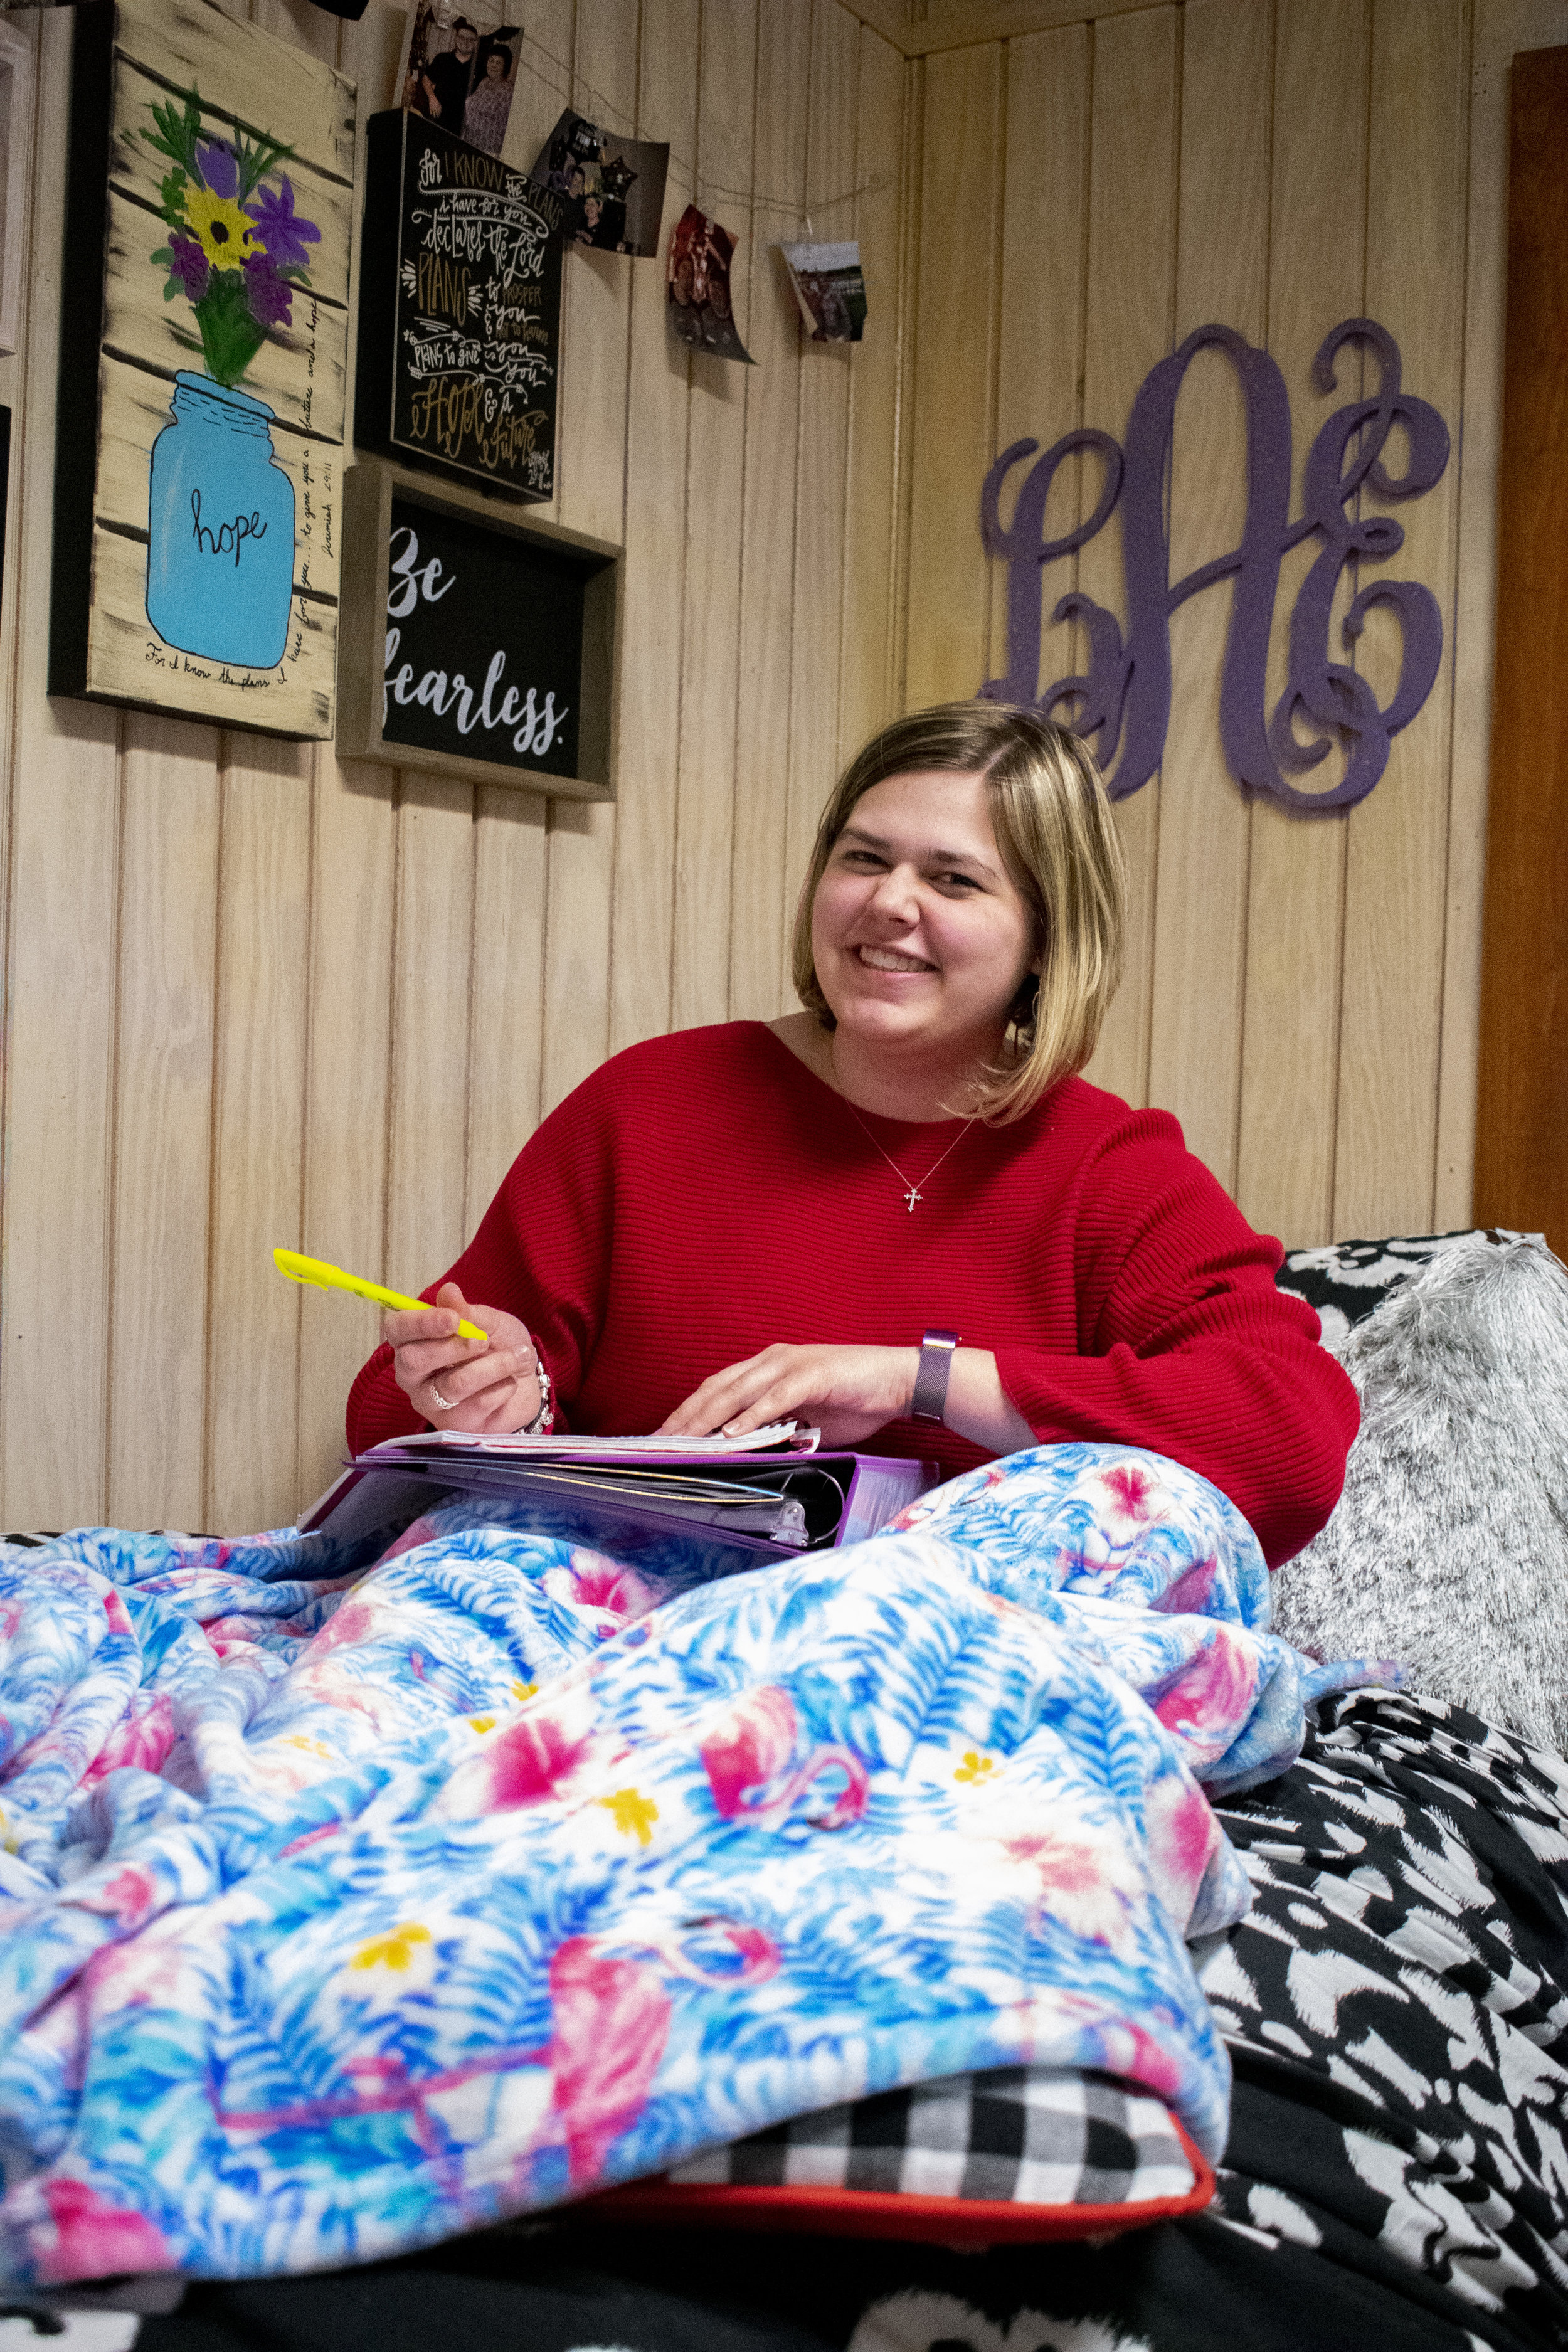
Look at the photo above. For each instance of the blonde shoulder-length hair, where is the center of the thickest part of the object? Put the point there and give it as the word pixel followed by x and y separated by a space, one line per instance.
pixel 1058 841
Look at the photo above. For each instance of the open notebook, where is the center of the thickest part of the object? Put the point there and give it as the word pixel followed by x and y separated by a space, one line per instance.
pixel 741 1501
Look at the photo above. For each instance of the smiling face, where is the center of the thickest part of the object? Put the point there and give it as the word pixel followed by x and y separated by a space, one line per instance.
pixel 465 40
pixel 921 936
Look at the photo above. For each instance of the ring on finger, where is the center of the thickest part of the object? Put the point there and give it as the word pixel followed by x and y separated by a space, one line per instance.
pixel 446 1404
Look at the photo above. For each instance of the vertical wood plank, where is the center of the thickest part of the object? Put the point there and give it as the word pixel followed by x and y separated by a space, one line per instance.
pixel 543 82
pixel 352 819
pixel 820 474
pixel 506 1042
pixel 1285 1152
pixel 653 602
pixel 1040 347
pixel 952 369
pixel 61 923
pixel 164 1056
pixel 426 1190
pixel 344 1213
pixel 1222 274
pixel 511 836
pixel 867 666
pixel 759 877
pixel 259 1119
pixel 1501 29
pixel 706 781
pixel 596 356
pixel 261 1024
pixel 1131 278
pixel 1395 880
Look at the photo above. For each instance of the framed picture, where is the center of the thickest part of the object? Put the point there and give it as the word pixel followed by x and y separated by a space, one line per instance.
pixel 475 645
pixel 459 311
pixel 198 474
pixel 460 68
pixel 18 80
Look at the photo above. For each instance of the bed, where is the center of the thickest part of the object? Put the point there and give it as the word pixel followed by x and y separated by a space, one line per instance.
pixel 1395 2008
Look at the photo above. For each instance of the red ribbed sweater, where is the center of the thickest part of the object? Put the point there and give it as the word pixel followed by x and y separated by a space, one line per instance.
pixel 704 1195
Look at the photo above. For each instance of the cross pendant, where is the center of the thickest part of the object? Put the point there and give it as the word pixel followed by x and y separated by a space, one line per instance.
pixel 912 1196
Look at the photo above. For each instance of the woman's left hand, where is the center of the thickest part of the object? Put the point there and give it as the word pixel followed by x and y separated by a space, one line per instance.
pixel 846 1393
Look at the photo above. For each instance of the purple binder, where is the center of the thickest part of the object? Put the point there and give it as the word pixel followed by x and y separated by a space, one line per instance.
pixel 626 1504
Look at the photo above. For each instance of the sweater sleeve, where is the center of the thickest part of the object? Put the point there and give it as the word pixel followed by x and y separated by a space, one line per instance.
pixel 1186 1346
pixel 541 1253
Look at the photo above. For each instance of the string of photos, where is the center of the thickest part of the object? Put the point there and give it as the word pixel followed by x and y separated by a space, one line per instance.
pixel 461 67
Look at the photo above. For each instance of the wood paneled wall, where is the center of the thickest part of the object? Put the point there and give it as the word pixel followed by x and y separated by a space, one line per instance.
pixel 1302 990
pixel 253 996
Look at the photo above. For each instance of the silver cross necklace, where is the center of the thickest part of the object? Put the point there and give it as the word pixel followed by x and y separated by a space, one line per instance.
pixel 911 1191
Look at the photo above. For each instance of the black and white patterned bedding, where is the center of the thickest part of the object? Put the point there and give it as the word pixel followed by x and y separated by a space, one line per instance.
pixel 1396 2007
pixel 1020 2135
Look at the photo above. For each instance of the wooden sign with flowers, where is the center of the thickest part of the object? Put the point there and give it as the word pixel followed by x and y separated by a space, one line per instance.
pixel 201 415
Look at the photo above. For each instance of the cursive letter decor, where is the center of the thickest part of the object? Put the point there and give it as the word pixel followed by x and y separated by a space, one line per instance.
pixel 1125 695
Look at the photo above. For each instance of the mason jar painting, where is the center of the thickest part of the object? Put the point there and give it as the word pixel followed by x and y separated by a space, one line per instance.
pixel 220 529
pixel 209 218
pixel 220 512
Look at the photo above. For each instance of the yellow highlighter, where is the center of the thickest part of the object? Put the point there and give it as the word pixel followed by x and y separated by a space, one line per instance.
pixel 333 1277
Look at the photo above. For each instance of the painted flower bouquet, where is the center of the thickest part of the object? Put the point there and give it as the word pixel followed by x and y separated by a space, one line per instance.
pixel 237 247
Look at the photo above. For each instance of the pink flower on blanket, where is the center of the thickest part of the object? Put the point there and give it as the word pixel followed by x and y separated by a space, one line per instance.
pixel 128 1897
pixel 748 1754
pixel 592 1582
pixel 114 1609
pixel 142 1738
pixel 353 1621
pixel 1077 1878
pixel 95 2239
pixel 1183 1834
pixel 1133 1497
pixel 554 1749
pixel 1208 1701
pixel 609 2024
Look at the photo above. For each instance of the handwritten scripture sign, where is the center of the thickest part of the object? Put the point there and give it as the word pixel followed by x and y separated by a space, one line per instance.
pixel 1123 697
pixel 459 310
pixel 472 646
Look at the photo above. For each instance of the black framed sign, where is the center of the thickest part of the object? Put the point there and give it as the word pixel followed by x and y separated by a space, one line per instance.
pixel 475 645
pixel 459 322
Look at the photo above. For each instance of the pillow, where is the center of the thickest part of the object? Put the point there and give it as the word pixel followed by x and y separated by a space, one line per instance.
pixel 1348 1281
pixel 1448 1550
pixel 1018 2155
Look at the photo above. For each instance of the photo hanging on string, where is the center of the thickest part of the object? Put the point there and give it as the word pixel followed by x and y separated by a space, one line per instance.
pixel 830 289
pixel 460 69
pixel 612 188
pixel 698 297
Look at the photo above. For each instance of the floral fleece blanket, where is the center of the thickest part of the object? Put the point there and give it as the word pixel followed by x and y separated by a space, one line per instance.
pixel 342 1911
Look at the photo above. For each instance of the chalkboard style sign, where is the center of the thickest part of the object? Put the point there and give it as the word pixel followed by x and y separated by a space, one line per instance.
pixel 475 646
pixel 459 322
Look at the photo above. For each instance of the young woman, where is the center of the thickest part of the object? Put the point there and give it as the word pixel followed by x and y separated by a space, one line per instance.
pixel 762 1220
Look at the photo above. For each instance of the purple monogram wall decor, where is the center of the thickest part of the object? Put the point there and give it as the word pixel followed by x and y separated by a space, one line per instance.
pixel 1125 695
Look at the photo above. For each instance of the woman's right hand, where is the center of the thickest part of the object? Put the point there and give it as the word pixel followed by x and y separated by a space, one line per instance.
pixel 488 1386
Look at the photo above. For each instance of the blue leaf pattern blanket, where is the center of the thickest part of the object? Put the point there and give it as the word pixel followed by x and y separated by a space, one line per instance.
pixel 342 1911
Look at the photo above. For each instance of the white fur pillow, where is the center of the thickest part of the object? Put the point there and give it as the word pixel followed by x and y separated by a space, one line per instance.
pixel 1448 1549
